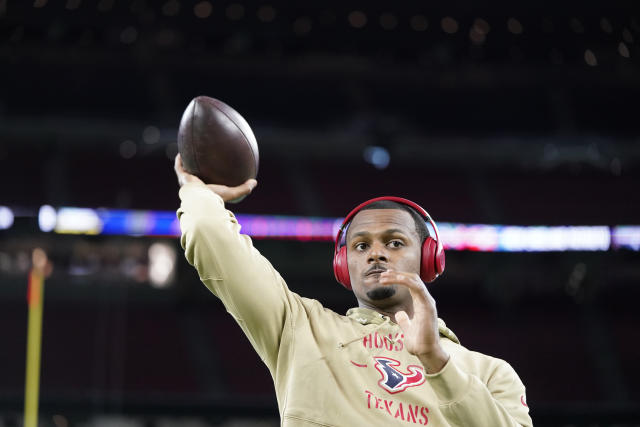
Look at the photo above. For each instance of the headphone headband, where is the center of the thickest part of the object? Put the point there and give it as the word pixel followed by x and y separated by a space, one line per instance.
pixel 400 200
pixel 432 252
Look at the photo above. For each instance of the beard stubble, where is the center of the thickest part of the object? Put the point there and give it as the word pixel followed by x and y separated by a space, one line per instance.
pixel 380 293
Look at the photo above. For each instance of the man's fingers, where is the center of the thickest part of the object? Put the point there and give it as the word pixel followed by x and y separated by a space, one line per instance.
pixel 412 281
pixel 251 184
pixel 228 194
pixel 234 193
pixel 402 319
pixel 242 189
pixel 179 169
pixel 177 164
pixel 184 176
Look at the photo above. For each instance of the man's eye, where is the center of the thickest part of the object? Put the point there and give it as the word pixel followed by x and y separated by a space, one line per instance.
pixel 395 243
pixel 361 246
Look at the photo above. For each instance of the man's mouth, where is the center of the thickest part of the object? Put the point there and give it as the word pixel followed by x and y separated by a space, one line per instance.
pixel 376 269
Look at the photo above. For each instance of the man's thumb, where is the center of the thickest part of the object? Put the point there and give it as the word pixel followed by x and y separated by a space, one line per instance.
pixel 403 320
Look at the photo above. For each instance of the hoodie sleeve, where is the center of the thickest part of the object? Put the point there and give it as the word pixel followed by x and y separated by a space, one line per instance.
pixel 467 401
pixel 247 284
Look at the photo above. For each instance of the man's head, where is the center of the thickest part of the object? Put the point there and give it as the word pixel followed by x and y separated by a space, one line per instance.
pixel 420 224
pixel 432 259
pixel 381 236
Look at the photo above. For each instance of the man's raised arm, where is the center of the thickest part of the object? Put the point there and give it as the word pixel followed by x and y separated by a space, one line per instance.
pixel 228 264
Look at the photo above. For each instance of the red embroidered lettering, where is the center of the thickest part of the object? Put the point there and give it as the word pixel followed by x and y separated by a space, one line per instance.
pixel 399 342
pixel 378 340
pixel 369 394
pixel 425 419
pixel 390 342
pixel 411 416
pixel 400 412
pixel 388 404
pixel 367 341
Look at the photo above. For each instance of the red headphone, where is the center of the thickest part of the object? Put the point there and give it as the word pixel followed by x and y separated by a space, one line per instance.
pixel 431 265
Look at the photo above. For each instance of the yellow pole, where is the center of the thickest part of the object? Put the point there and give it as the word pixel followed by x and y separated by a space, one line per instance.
pixel 35 298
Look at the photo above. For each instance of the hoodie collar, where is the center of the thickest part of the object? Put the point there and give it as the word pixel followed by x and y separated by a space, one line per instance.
pixel 366 316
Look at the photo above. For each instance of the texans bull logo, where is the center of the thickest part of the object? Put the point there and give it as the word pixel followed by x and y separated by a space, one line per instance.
pixel 394 380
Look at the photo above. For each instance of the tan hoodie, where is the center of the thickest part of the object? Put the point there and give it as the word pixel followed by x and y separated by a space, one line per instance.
pixel 334 370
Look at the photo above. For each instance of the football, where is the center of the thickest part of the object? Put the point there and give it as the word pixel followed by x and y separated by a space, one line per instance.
pixel 216 143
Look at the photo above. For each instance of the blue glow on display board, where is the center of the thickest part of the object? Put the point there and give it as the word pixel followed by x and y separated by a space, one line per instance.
pixel 455 236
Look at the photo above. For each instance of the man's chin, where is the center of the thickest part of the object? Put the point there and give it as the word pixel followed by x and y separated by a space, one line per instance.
pixel 381 292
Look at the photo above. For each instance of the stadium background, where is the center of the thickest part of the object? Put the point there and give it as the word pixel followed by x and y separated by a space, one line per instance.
pixel 519 113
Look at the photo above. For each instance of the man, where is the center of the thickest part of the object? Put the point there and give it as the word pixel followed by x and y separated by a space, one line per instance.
pixel 390 361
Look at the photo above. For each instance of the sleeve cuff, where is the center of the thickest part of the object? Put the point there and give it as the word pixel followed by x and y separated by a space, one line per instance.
pixel 450 384
pixel 197 188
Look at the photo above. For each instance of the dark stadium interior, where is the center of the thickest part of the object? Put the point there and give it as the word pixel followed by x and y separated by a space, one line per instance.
pixel 499 113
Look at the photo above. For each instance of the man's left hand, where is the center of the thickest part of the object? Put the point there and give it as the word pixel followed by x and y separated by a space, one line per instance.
pixel 421 335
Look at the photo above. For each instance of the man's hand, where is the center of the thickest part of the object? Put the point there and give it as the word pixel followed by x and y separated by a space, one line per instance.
pixel 228 194
pixel 421 335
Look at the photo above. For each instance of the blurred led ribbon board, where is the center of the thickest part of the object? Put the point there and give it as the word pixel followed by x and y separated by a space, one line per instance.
pixel 455 236
pixel 626 237
pixel 6 217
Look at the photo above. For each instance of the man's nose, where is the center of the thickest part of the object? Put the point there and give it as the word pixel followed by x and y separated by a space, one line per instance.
pixel 378 253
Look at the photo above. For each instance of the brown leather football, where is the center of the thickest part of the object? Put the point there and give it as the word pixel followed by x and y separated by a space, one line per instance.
pixel 216 143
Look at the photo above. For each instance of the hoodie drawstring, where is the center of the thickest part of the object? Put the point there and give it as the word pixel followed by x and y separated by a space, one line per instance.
pixel 386 321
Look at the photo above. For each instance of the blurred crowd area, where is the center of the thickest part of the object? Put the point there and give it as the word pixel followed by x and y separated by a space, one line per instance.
pixel 82 261
pixel 502 113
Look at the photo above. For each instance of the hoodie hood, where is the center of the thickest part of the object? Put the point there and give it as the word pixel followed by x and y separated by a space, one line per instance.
pixel 366 316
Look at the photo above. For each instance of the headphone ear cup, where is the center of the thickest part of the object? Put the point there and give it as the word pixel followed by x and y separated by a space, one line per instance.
pixel 341 268
pixel 439 259
pixel 428 271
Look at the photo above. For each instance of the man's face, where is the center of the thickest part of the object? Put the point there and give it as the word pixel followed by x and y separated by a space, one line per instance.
pixel 380 240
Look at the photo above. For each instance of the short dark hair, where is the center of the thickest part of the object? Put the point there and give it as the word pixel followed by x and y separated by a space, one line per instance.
pixel 419 220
